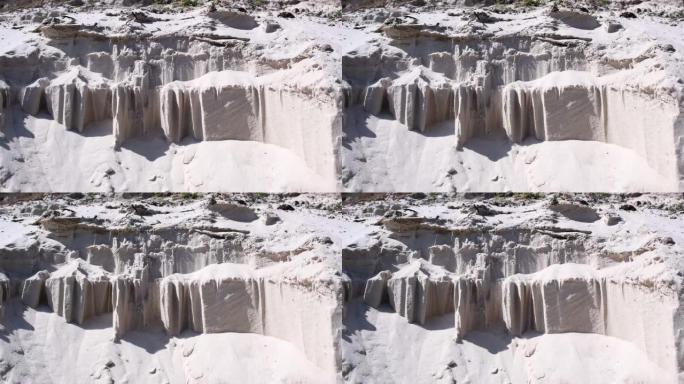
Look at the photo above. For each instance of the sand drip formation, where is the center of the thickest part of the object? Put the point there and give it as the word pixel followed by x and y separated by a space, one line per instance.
pixel 341 191
pixel 332 93
pixel 187 75
pixel 474 284
pixel 183 266
pixel 510 267
pixel 553 73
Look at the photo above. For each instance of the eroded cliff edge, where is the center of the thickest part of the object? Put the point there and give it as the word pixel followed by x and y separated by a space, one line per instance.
pixel 171 268
pixel 472 286
pixel 256 80
pixel 507 81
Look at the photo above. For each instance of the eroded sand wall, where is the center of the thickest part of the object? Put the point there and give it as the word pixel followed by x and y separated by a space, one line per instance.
pixel 573 303
pixel 518 87
pixel 650 125
pixel 178 87
pixel 302 314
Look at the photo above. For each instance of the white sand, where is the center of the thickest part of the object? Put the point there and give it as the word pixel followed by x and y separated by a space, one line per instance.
pixel 542 289
pixel 533 100
pixel 217 101
pixel 171 289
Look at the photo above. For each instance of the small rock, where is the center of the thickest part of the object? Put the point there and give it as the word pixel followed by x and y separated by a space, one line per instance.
pixel 188 350
pixel 485 18
pixel 613 26
pixel 628 15
pixel 575 19
pixel 483 210
pixel 286 207
pixel 668 48
pixel 271 26
pixel 141 17
pixel 611 219
pixel 188 156
pixel 286 15
pixel 530 350
pixel 628 207
pixel 235 212
pixel 271 218
pixel 142 210
pixel 576 212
